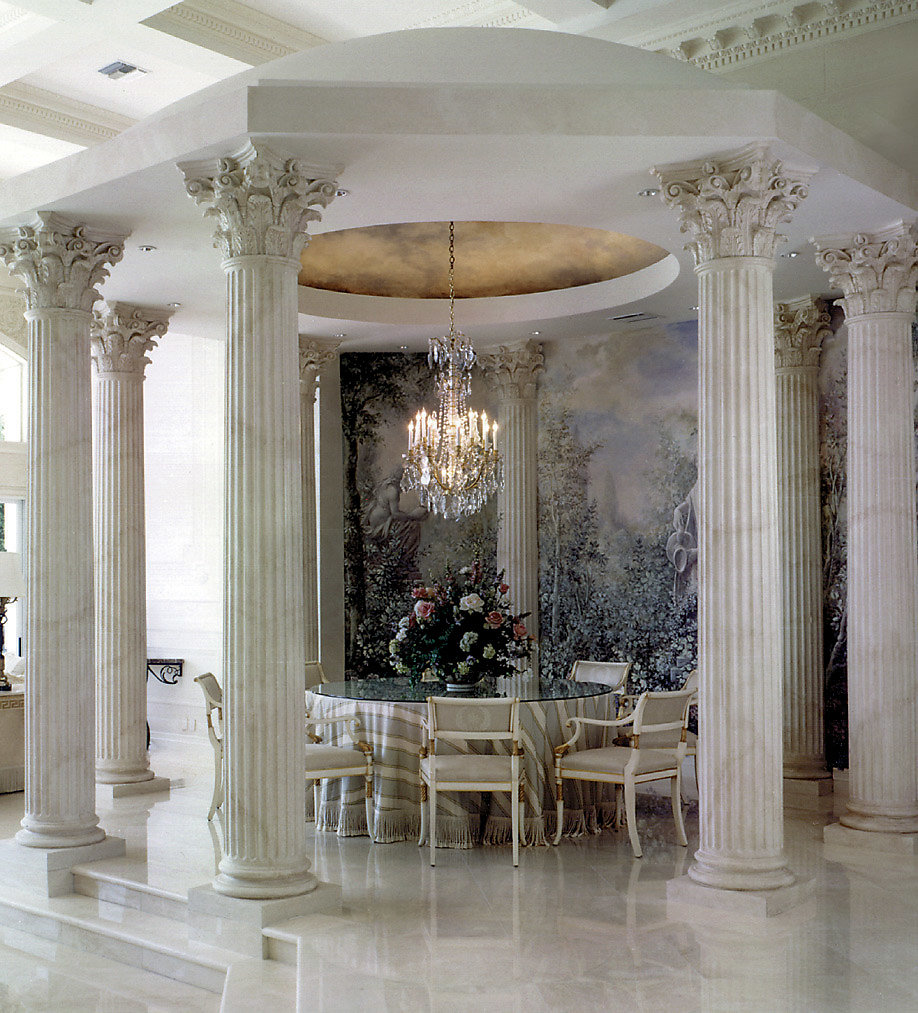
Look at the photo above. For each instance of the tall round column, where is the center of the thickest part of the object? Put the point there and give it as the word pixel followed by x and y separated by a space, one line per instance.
pixel 121 337
pixel 61 264
pixel 730 206
pixel 263 203
pixel 877 274
pixel 313 356
pixel 514 370
pixel 800 328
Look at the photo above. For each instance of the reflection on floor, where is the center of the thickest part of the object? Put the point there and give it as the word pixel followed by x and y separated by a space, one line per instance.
pixel 579 927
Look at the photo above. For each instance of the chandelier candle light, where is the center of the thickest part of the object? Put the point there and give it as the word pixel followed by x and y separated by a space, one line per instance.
pixel 452 460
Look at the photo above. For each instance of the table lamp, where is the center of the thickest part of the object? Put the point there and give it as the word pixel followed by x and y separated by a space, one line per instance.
pixel 12 586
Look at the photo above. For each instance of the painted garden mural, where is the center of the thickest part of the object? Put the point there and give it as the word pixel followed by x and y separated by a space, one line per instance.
pixel 617 525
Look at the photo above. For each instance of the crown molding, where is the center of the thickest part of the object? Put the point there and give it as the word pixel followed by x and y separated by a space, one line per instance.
pixel 751 32
pixel 483 14
pixel 52 115
pixel 234 30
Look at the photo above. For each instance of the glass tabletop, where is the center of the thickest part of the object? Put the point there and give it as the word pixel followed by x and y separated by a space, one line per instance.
pixel 399 690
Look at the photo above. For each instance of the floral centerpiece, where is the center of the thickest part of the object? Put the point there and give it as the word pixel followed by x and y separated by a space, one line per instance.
pixel 460 630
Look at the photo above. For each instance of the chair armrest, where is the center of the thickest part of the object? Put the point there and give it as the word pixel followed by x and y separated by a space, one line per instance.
pixel 353 725
pixel 577 724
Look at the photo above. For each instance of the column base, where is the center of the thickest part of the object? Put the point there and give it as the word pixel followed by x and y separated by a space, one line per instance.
pixel 720 871
pixel 813 795
pixel 114 775
pixel 839 836
pixel 237 924
pixel 34 834
pixel 47 870
pixel 110 790
pixel 746 903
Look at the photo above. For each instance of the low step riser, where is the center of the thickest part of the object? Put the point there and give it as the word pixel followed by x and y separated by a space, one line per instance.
pixel 125 896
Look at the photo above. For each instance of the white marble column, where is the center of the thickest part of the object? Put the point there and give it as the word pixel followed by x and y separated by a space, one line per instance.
pixel 800 328
pixel 61 264
pixel 313 356
pixel 121 337
pixel 877 274
pixel 513 371
pixel 263 203
pixel 730 207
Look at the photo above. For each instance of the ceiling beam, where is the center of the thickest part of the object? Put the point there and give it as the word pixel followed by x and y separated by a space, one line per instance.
pixel 52 115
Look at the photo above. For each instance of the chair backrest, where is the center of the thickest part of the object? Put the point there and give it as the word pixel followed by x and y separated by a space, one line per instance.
pixel 462 720
pixel 660 719
pixel 315 674
pixel 213 698
pixel 609 673
pixel 692 681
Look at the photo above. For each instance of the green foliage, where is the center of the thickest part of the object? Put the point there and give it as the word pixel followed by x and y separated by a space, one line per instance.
pixel 460 629
pixel 612 600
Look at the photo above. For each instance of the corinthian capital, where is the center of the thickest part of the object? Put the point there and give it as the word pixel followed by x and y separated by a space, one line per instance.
pixel 514 369
pixel 876 271
pixel 731 205
pixel 60 261
pixel 263 201
pixel 122 335
pixel 313 357
pixel 801 326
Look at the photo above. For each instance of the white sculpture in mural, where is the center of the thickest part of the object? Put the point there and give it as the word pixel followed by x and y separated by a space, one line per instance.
pixel 682 544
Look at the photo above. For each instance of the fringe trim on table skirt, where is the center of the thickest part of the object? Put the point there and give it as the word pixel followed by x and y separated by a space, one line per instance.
pixel 346 820
pixel 350 820
pixel 578 822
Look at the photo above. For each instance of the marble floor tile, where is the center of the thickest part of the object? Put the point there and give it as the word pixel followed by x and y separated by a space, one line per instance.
pixel 583 926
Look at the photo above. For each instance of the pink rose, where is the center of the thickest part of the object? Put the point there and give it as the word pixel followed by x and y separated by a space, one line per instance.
pixel 419 592
pixel 519 631
pixel 494 619
pixel 503 588
pixel 423 609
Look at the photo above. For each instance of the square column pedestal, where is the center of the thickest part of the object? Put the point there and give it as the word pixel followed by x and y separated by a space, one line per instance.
pixel 237 924
pixel 47 870
pixel 744 903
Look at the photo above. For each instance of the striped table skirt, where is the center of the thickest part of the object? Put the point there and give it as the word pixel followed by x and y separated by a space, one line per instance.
pixel 394 730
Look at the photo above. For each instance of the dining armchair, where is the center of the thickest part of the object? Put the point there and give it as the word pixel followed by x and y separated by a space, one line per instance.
pixel 213 701
pixel 609 673
pixel 656 732
pixel 691 738
pixel 327 761
pixel 460 722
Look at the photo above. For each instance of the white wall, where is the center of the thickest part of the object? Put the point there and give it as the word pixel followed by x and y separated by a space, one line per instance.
pixel 183 419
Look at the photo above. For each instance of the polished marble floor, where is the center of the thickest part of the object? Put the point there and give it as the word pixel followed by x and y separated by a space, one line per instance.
pixel 580 927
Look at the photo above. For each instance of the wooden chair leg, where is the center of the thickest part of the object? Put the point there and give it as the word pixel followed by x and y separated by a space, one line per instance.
pixel 632 819
pixel 217 799
pixel 559 805
pixel 433 822
pixel 422 838
pixel 676 785
pixel 515 823
pixel 368 802
pixel 315 800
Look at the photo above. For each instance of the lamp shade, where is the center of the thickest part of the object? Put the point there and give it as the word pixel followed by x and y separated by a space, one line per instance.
pixel 12 583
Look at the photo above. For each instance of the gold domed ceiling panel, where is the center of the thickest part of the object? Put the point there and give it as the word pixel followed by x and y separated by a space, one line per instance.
pixel 411 260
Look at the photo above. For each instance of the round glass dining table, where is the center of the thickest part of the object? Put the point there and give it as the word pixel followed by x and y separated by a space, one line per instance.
pixel 391 712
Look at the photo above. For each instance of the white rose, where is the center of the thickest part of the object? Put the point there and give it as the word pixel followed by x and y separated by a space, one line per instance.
pixel 471 603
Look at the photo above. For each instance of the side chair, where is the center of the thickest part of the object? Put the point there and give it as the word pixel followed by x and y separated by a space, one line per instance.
pixel 213 700
pixel 324 761
pixel 460 721
pixel 657 731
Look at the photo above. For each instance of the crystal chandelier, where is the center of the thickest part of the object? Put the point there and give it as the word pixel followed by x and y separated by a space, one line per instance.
pixel 452 458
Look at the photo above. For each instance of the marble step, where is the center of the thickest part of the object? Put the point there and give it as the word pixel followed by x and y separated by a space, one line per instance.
pixel 126 934
pixel 106 881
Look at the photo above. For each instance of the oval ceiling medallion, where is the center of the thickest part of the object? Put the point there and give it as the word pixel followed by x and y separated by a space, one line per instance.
pixel 411 260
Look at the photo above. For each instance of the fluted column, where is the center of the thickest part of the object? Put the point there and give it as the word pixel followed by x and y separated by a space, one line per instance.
pixel 313 356
pixel 121 337
pixel 514 371
pixel 730 206
pixel 877 274
pixel 263 203
pixel 61 264
pixel 800 328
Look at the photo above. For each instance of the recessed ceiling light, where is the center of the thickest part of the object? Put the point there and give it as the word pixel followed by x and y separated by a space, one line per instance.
pixel 403 347
pixel 694 309
pixel 342 193
pixel 146 248
pixel 341 334
pixel 791 254
pixel 648 191
pixel 175 305
pixel 118 69
pixel 535 334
